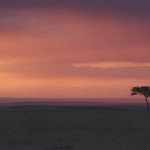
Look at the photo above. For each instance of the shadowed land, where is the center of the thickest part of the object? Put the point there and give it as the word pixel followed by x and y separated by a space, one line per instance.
pixel 74 129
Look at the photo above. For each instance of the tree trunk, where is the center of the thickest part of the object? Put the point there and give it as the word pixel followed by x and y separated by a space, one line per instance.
pixel 147 104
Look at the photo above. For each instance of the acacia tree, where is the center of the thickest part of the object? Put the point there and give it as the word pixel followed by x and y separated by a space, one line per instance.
pixel 143 90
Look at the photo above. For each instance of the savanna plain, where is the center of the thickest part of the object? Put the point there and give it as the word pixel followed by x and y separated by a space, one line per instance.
pixel 74 129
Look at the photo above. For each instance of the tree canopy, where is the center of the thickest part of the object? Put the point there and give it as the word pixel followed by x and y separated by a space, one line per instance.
pixel 143 90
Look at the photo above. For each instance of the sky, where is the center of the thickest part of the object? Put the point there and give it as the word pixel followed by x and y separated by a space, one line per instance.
pixel 74 48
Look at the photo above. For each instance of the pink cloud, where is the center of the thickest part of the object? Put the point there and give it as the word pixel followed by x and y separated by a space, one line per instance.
pixel 61 37
pixel 39 50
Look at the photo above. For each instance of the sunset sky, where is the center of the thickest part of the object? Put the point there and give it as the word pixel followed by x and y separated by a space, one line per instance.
pixel 74 48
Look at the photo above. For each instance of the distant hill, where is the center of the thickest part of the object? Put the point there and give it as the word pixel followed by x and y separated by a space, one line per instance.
pixel 73 103
pixel 56 102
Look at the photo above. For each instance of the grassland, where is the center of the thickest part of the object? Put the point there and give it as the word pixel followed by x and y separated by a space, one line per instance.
pixel 74 130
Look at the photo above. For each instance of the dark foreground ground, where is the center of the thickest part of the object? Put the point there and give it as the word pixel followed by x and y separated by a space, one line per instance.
pixel 74 130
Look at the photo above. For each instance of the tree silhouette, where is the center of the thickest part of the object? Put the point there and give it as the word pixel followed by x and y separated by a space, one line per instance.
pixel 143 90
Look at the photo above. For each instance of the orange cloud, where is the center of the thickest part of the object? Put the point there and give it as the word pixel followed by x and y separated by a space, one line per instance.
pixel 112 65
